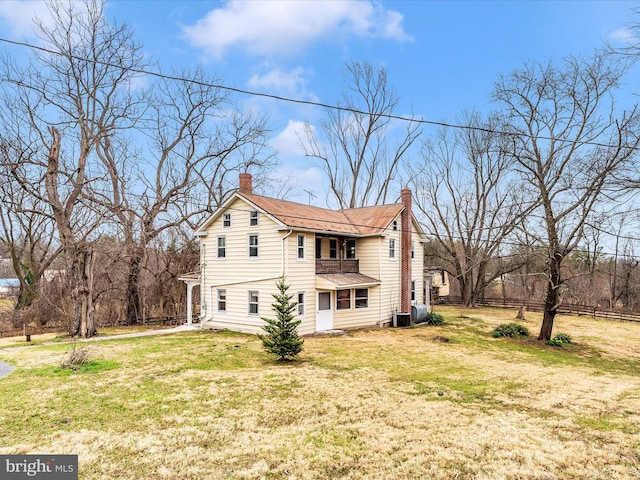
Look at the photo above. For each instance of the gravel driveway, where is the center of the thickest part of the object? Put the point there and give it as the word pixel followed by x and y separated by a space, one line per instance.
pixel 5 369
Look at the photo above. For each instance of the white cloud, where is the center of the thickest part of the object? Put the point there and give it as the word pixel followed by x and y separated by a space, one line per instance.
pixel 287 142
pixel 287 27
pixel 18 16
pixel 279 80
pixel 623 35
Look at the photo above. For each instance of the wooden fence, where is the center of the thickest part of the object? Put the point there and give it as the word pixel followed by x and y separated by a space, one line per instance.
pixel 579 310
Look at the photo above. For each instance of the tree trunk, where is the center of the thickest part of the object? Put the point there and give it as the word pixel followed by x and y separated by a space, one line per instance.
pixel 552 300
pixel 82 320
pixel 134 302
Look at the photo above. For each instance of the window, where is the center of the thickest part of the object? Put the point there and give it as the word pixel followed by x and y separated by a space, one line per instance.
pixel 253 218
pixel 226 220
pixel 362 298
pixel 253 245
pixel 222 247
pixel 300 303
pixel 350 249
pixel 413 249
pixel 318 247
pixel 343 299
pixel 301 247
pixel 413 290
pixel 222 300
pixel 392 248
pixel 333 248
pixel 395 225
pixel 253 302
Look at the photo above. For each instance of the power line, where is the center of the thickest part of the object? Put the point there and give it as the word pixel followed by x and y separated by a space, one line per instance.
pixel 420 121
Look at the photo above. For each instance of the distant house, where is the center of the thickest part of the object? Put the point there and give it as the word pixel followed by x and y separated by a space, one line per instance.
pixel 346 268
pixel 440 281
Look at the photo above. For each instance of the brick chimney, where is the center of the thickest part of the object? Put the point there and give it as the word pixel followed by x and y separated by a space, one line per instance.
pixel 405 252
pixel 245 183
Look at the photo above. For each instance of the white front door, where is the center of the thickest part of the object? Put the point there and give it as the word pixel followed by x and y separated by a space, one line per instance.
pixel 324 313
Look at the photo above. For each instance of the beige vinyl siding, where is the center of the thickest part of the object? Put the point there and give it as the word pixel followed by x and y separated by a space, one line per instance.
pixel 357 317
pixel 300 275
pixel 237 271
pixel 373 255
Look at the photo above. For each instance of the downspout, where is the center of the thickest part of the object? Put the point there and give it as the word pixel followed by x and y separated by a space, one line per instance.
pixel 380 246
pixel 284 251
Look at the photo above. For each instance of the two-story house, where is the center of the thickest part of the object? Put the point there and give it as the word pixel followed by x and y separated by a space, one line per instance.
pixel 346 268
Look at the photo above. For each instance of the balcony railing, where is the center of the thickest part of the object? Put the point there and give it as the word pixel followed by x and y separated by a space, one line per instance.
pixel 333 265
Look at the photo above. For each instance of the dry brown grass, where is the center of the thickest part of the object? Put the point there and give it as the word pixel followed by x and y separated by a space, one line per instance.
pixel 382 404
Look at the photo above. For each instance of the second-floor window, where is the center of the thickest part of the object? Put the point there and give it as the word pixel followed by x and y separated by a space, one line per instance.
pixel 333 248
pixel 350 252
pixel 392 248
pixel 253 218
pixel 413 249
pixel 301 247
pixel 253 245
pixel 226 220
pixel 222 247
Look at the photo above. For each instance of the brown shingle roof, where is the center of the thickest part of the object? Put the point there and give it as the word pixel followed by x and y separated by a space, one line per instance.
pixel 354 221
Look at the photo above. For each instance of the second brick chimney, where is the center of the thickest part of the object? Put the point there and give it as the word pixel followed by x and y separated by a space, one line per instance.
pixel 245 183
pixel 405 252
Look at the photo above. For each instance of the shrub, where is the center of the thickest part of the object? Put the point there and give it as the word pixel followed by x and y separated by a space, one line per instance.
pixel 75 358
pixel 282 339
pixel 510 330
pixel 559 340
pixel 562 338
pixel 433 319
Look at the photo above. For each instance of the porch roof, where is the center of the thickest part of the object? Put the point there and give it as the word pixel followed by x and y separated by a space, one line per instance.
pixel 335 281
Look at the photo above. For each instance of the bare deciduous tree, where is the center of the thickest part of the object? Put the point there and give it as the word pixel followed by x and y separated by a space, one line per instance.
pixel 198 138
pixel 74 99
pixel 470 204
pixel 355 149
pixel 568 143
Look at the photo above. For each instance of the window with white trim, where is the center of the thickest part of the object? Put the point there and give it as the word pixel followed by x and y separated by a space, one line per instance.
pixel 392 248
pixel 301 241
pixel 253 245
pixel 413 249
pixel 413 290
pixel 300 304
pixel 343 299
pixel 222 300
pixel 226 220
pixel 394 225
pixel 362 297
pixel 222 247
pixel 253 302
pixel 253 218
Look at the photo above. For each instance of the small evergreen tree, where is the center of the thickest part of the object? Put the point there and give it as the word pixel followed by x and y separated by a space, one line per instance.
pixel 282 339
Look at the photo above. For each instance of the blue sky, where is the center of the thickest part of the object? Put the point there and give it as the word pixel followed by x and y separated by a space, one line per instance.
pixel 441 57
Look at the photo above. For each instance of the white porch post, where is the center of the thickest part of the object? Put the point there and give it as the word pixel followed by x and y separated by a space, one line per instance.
pixel 192 280
pixel 189 303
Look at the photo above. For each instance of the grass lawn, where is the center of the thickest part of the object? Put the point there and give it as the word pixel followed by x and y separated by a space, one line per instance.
pixel 381 404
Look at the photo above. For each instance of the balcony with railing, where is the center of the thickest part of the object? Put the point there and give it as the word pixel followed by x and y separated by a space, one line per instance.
pixel 337 265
